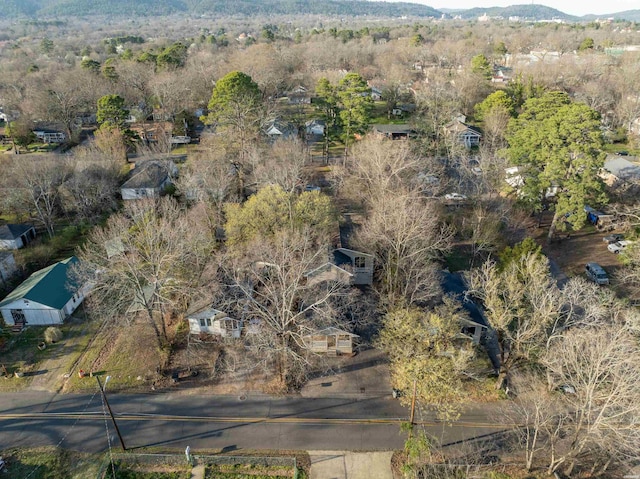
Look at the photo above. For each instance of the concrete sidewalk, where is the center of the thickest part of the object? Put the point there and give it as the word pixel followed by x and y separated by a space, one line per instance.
pixel 350 465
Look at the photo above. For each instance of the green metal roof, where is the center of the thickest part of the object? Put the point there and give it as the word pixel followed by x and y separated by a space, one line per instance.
pixel 49 286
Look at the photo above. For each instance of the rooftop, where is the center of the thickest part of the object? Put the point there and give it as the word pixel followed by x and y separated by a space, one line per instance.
pixel 50 286
pixel 11 232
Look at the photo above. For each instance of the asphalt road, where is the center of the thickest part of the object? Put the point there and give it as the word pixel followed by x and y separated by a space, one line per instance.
pixel 216 422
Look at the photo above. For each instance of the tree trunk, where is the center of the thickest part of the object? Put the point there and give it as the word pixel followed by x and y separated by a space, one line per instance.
pixel 553 227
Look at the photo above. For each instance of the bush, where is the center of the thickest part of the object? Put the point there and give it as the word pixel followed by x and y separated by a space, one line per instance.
pixel 52 335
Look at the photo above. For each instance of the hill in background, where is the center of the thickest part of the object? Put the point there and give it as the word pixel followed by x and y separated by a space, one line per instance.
pixel 74 8
pixel 530 12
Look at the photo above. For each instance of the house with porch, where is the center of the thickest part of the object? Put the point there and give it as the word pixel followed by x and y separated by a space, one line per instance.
pixel 330 341
pixel 279 129
pixel 45 298
pixel 213 321
pixel 463 134
pixel 16 236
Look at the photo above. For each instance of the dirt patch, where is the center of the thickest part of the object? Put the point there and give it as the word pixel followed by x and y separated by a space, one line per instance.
pixel 572 251
pixel 44 369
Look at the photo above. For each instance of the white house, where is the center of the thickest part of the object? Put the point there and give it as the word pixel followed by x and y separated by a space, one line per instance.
pixel 46 297
pixel 50 136
pixel 16 236
pixel 149 180
pixel 213 321
pixel 8 267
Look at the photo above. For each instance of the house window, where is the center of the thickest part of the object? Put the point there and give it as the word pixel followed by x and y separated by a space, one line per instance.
pixel 202 323
pixel 359 262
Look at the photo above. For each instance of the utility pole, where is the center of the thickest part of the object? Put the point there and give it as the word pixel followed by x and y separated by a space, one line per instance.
pixel 115 425
pixel 413 401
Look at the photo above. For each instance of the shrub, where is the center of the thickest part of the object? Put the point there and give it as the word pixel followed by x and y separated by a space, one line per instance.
pixel 52 335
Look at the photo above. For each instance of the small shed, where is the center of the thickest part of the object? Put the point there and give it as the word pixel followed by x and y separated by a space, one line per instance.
pixel 16 236
pixel 213 321
pixel 331 341
pixel 46 297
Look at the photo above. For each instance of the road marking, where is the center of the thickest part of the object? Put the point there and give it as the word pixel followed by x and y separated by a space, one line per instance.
pixel 284 420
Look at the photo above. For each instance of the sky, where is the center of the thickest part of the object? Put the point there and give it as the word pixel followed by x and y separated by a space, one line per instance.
pixel 572 7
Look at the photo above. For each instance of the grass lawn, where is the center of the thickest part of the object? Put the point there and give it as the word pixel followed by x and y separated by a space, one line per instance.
pixel 126 352
pixel 49 463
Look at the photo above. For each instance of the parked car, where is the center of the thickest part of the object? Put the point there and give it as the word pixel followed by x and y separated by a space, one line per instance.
pixel 180 140
pixel 614 238
pixel 622 153
pixel 455 197
pixel 618 246
pixel 596 273
pixel 311 187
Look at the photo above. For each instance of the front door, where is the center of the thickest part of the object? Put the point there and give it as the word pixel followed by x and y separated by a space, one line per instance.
pixel 18 316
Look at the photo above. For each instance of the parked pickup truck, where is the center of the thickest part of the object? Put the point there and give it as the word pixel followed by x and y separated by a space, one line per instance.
pixel 618 246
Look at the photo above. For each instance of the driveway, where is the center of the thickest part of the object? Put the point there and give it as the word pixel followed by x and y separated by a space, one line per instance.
pixel 350 465
pixel 363 375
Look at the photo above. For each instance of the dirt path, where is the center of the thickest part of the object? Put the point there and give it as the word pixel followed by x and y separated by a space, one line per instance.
pixel 53 371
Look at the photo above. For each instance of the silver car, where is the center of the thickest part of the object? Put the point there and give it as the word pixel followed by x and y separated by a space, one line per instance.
pixel 596 273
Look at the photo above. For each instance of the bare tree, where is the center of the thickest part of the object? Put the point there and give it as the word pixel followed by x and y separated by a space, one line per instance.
pixel 601 366
pixel 147 258
pixel 283 163
pixel 35 185
pixel 406 236
pixel 271 277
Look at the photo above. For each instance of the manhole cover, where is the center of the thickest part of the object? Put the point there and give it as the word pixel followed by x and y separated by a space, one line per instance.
pixel 242 398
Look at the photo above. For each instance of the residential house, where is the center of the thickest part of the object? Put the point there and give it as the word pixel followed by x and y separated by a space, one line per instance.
pixel 403 109
pixel 149 180
pixel 358 263
pixel 331 340
pixel 8 267
pixel 376 94
pixel 153 132
pixel 279 129
pixel 464 134
pixel 16 236
pixel 46 297
pixel 47 136
pixel 619 170
pixel 213 321
pixel 394 132
pixel 314 127
pixel 299 96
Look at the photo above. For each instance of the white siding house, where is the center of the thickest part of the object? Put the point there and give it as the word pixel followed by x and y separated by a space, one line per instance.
pixel 213 321
pixel 16 236
pixel 47 297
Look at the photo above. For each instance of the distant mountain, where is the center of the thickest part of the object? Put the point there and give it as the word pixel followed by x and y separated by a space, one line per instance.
pixel 629 15
pixel 531 12
pixel 71 8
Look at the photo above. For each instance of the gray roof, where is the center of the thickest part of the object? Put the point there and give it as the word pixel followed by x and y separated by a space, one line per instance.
pixel 11 232
pixel 622 168
pixel 394 129
pixel 151 174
